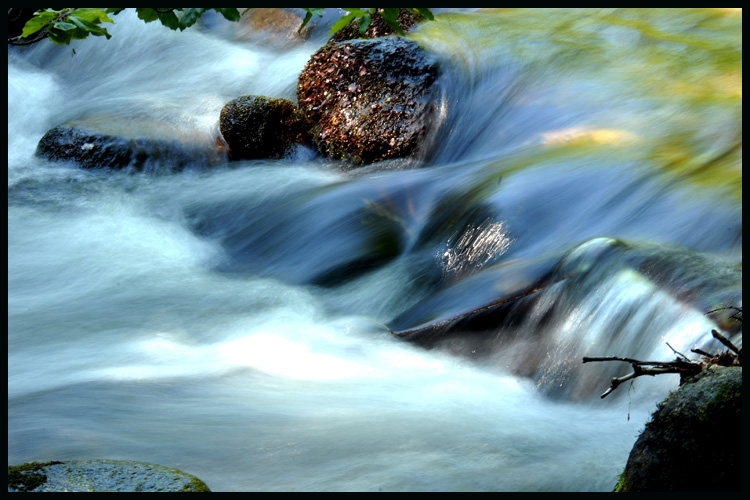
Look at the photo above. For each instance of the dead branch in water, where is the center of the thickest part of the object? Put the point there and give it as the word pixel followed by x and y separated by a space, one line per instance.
pixel 682 365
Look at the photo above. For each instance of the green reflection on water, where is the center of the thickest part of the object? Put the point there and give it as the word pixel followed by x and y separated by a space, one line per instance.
pixel 664 86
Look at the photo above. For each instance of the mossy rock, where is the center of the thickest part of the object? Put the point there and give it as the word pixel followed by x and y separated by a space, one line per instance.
pixel 694 439
pixel 262 127
pixel 118 143
pixel 101 475
pixel 369 100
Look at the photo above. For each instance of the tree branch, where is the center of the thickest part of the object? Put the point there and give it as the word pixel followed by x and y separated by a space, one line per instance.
pixel 684 367
pixel 721 338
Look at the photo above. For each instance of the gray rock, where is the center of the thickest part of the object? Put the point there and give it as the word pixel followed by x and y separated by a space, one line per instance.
pixel 117 142
pixel 101 475
pixel 694 439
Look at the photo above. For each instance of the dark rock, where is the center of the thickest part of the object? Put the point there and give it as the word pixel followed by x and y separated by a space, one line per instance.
pixel 694 439
pixel 261 127
pixel 101 475
pixel 117 142
pixel 369 100
pixel 378 27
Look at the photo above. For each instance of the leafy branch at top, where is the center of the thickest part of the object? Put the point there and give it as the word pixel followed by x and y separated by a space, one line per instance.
pixel 365 16
pixel 63 25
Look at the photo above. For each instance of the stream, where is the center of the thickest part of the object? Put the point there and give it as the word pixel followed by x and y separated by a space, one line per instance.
pixel 232 321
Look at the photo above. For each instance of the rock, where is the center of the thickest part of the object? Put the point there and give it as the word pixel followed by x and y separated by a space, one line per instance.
pixel 115 142
pixel 101 475
pixel 369 100
pixel 272 26
pixel 694 439
pixel 378 27
pixel 261 127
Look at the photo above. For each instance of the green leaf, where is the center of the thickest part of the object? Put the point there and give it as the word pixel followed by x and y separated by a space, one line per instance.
pixel 390 16
pixel 390 13
pixel 147 14
pixel 343 21
pixel 169 19
pixel 310 13
pixel 88 26
pixel 59 37
pixel 306 20
pixel 39 21
pixel 229 14
pixel 364 23
pixel 426 13
pixel 64 26
pixel 93 15
pixel 190 17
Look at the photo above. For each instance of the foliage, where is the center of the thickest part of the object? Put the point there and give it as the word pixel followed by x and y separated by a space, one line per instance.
pixel 63 25
pixel 365 17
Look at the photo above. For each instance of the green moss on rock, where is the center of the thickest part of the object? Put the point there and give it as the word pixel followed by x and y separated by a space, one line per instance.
pixel 27 476
pixel 262 127
pixel 101 475
pixel 694 439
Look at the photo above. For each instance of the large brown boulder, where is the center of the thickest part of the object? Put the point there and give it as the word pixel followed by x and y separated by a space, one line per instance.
pixel 261 127
pixel 694 439
pixel 369 100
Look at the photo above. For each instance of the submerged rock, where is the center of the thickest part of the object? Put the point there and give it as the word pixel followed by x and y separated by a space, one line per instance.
pixel 115 142
pixel 275 27
pixel 694 439
pixel 101 475
pixel 369 100
pixel 261 127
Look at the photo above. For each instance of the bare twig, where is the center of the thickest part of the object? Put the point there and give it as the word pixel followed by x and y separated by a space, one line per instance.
pixel 737 315
pixel 683 367
pixel 701 352
pixel 676 352
pixel 721 338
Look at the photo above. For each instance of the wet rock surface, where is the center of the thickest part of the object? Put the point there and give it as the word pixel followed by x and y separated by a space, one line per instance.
pixel 694 439
pixel 101 475
pixel 369 100
pixel 116 142
pixel 261 127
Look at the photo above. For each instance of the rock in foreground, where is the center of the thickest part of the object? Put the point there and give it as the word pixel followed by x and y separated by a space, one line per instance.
pixel 369 100
pixel 694 439
pixel 101 475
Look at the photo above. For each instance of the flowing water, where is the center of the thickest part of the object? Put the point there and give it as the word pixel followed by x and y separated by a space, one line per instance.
pixel 229 320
